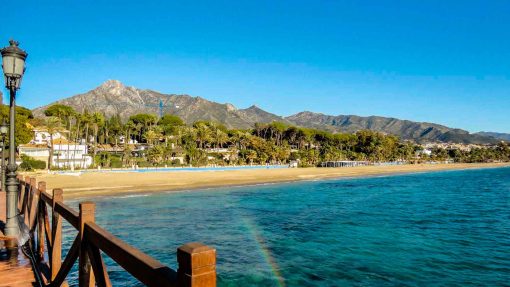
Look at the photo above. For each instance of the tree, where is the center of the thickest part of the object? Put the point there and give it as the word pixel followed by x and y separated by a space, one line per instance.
pixel 115 128
pixel 97 120
pixel 23 131
pixel 53 125
pixel 220 138
pixel 152 135
pixel 251 155
pixel 203 134
pixel 169 123
pixel 63 112
pixel 155 155
pixel 126 155
pixel 143 122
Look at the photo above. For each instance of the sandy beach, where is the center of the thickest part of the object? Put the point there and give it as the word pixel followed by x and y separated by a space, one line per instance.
pixel 92 184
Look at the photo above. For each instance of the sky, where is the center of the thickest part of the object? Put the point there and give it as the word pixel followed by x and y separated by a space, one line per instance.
pixel 445 62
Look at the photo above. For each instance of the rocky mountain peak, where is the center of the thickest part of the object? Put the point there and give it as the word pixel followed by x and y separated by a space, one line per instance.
pixel 112 86
pixel 230 107
pixel 253 107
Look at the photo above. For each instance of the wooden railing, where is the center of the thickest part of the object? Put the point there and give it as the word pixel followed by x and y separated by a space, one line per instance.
pixel 197 262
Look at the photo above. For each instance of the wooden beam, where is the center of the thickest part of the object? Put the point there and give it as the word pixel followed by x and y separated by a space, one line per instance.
pixel 71 257
pixel 143 267
pixel 98 266
pixel 68 214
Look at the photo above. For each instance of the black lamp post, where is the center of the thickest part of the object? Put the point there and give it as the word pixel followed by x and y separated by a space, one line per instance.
pixel 13 64
pixel 4 129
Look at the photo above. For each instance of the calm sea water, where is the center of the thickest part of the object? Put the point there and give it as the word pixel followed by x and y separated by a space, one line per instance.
pixel 432 229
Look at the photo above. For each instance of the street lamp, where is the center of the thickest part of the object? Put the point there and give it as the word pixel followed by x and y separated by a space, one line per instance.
pixel 4 129
pixel 13 64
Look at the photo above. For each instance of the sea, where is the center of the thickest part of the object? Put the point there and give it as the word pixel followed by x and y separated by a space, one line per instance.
pixel 449 228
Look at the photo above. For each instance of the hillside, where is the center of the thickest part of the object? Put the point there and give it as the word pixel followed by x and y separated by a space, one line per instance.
pixel 498 136
pixel 418 131
pixel 112 97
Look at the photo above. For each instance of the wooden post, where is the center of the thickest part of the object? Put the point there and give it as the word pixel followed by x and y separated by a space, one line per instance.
pixel 25 208
pixel 56 236
pixel 34 203
pixel 197 265
pixel 85 274
pixel 28 197
pixel 40 221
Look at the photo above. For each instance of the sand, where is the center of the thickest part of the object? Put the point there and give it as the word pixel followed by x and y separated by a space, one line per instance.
pixel 92 184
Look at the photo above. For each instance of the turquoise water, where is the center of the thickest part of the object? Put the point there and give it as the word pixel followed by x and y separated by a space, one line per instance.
pixel 434 229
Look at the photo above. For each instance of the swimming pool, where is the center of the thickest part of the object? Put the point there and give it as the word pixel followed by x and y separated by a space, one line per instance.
pixel 167 169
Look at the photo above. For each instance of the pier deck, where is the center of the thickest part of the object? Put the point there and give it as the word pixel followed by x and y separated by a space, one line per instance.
pixel 15 267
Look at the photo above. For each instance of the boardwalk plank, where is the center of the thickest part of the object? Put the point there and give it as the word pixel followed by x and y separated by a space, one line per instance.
pixel 15 268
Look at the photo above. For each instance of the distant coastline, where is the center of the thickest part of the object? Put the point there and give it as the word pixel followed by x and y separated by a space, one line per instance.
pixel 93 184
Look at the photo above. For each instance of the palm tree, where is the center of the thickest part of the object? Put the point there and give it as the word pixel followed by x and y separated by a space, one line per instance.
pixel 152 135
pixel 53 125
pixel 97 121
pixel 220 137
pixel 251 155
pixel 128 128
pixel 203 134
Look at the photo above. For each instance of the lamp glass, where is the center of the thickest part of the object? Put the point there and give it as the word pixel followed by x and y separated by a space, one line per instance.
pixel 13 65
pixel 4 129
pixel 8 63
pixel 19 67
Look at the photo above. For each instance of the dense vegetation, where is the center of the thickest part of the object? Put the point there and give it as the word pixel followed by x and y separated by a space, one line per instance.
pixel 167 139
pixel 29 163
pixel 23 115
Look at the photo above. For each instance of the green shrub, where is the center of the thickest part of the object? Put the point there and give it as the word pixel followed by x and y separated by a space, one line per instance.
pixel 29 163
pixel 116 161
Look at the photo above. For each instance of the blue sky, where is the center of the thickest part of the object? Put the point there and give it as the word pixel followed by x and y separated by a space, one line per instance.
pixel 438 61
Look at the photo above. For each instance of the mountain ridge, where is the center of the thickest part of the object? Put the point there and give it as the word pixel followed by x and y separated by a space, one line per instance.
pixel 499 136
pixel 112 97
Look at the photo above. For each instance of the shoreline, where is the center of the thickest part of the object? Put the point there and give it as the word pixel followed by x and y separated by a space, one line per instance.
pixel 100 184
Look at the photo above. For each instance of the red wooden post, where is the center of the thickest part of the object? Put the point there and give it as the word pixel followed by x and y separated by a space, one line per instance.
pixel 197 265
pixel 25 208
pixel 33 203
pixel 56 236
pixel 85 274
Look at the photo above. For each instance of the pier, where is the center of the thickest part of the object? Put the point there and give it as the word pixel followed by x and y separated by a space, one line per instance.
pixel 40 262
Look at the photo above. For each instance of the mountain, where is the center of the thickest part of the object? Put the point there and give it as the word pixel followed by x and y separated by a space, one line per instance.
pixel 498 136
pixel 418 131
pixel 112 97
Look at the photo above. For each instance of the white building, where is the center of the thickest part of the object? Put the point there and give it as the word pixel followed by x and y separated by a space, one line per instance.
pixel 122 140
pixel 42 136
pixel 424 151
pixel 66 154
